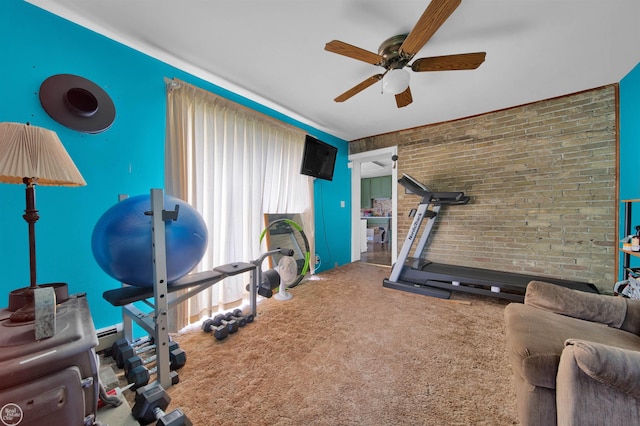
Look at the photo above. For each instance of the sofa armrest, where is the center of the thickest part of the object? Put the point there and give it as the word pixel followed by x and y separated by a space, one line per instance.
pixel 597 384
pixel 609 365
pixel 618 312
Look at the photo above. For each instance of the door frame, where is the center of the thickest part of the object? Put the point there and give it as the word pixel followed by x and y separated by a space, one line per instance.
pixel 355 162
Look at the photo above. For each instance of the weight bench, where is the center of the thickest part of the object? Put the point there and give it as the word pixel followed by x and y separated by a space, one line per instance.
pixel 193 283
pixel 155 323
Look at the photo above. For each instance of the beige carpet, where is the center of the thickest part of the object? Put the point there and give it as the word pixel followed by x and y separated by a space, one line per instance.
pixel 347 351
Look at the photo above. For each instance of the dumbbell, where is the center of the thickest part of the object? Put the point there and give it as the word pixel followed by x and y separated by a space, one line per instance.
pixel 242 321
pixel 129 351
pixel 239 316
pixel 140 376
pixel 150 404
pixel 120 344
pixel 231 324
pixel 179 358
pixel 219 331
pixel 213 324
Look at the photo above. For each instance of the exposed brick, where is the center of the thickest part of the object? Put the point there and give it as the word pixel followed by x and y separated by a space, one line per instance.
pixel 542 182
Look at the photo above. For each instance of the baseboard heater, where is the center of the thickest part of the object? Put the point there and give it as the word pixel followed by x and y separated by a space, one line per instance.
pixel 108 335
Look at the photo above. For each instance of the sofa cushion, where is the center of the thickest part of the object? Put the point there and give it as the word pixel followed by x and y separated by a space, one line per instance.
pixel 536 338
pixel 609 310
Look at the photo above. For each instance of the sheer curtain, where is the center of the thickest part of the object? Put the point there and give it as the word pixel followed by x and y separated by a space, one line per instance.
pixel 233 165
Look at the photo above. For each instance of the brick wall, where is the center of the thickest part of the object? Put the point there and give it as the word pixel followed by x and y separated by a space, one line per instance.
pixel 542 182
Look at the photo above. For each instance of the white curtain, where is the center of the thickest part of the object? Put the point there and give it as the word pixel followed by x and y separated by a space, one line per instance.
pixel 233 165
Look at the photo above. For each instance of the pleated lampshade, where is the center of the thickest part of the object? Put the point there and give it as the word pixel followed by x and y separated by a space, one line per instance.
pixel 34 152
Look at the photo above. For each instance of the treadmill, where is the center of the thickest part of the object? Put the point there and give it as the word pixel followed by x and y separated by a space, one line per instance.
pixel 417 275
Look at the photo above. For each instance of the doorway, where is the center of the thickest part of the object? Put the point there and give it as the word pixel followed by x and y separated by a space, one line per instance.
pixel 371 164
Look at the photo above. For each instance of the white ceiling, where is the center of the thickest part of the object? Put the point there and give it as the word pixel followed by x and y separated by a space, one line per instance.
pixel 272 51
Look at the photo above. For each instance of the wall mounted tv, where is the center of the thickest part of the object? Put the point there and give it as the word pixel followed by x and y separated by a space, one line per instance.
pixel 318 158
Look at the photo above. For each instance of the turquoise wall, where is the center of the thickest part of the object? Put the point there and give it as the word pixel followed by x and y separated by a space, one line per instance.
pixel 333 220
pixel 126 159
pixel 630 150
pixel 630 134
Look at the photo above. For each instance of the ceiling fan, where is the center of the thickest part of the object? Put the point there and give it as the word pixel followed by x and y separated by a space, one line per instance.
pixel 396 52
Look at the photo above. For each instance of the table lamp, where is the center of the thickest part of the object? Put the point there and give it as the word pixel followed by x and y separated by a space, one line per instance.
pixel 33 156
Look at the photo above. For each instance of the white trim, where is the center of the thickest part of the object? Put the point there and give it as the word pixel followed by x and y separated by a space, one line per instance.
pixel 356 160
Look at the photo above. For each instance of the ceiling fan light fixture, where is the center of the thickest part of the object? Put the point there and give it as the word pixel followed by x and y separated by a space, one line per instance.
pixel 395 81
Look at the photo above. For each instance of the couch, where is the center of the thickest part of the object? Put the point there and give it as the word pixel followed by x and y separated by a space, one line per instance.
pixel 575 357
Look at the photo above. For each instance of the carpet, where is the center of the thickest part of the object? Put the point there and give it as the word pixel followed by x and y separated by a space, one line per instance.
pixel 347 351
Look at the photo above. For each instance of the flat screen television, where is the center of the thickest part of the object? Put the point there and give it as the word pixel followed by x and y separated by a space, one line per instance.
pixel 318 158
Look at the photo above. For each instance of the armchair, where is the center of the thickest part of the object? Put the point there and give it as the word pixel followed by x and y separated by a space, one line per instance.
pixel 575 357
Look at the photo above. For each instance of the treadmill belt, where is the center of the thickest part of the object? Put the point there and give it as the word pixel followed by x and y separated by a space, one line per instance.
pixel 505 280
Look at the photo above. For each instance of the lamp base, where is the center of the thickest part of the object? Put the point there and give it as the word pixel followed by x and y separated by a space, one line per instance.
pixel 17 298
pixel 26 312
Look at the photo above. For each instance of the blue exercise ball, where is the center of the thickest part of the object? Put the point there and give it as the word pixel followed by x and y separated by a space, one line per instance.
pixel 122 246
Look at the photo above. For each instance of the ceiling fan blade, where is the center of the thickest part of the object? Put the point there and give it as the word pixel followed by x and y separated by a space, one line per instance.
pixel 351 51
pixel 403 99
pixel 358 88
pixel 433 17
pixel 462 61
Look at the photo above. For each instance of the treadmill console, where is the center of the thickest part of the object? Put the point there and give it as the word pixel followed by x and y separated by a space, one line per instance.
pixel 412 186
